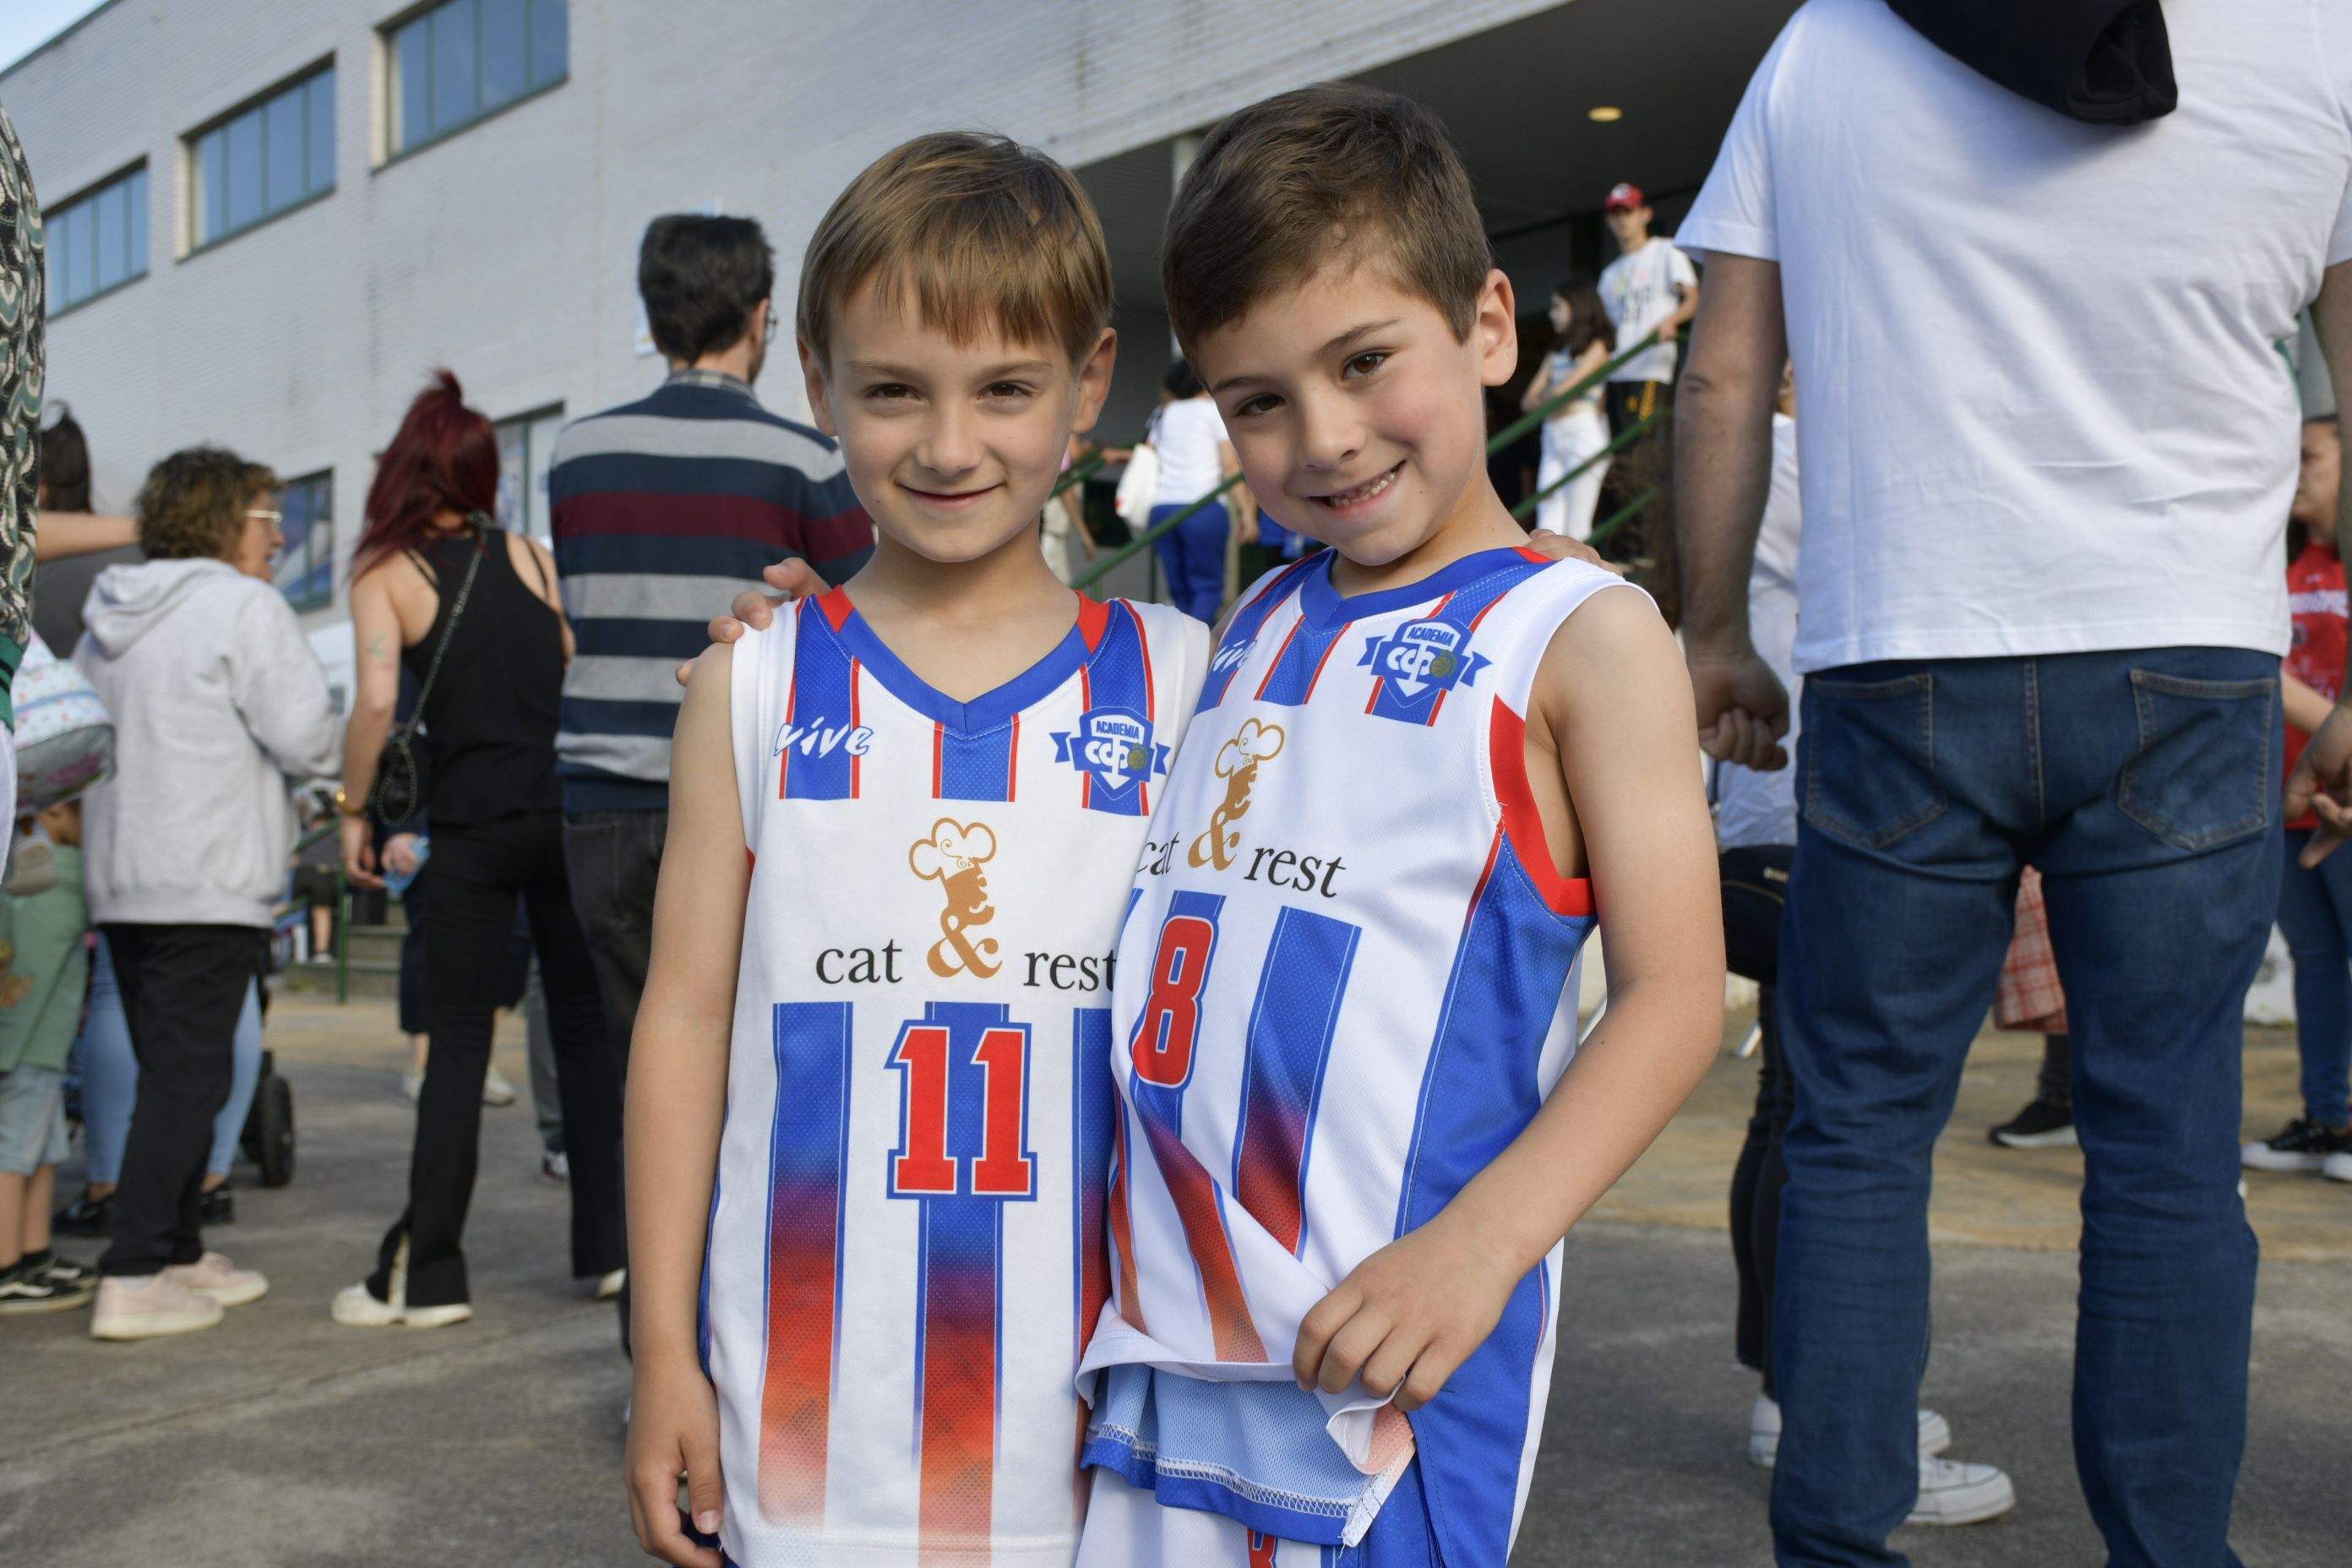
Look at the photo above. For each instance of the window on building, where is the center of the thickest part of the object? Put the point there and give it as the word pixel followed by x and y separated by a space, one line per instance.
pixel 462 60
pixel 272 155
pixel 525 444
pixel 306 567
pixel 97 240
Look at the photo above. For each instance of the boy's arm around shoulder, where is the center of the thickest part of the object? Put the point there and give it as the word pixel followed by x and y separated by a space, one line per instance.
pixel 1612 702
pixel 676 1100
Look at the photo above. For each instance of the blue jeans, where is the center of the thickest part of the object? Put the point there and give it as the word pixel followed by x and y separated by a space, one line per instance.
pixel 2145 784
pixel 2315 911
pixel 1194 554
pixel 109 1076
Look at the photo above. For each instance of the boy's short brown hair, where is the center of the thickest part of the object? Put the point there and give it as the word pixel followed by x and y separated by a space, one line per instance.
pixel 1323 172
pixel 192 505
pixel 972 230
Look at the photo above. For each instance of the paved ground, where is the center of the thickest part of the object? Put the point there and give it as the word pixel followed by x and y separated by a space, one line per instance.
pixel 282 1439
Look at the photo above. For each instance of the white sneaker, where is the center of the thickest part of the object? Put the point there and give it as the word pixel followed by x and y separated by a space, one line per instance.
pixel 129 1308
pixel 2338 1168
pixel 1764 1434
pixel 215 1275
pixel 496 1089
pixel 356 1307
pixel 412 1084
pixel 1954 1493
pixel 609 1286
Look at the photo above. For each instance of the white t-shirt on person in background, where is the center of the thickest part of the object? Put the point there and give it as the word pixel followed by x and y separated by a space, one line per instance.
pixel 1186 434
pixel 2043 408
pixel 1751 807
pixel 1639 289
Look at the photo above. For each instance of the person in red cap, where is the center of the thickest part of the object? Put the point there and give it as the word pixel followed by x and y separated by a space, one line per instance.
pixel 1649 291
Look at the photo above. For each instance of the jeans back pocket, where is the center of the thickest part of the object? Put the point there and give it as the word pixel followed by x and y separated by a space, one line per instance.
pixel 1869 758
pixel 2202 775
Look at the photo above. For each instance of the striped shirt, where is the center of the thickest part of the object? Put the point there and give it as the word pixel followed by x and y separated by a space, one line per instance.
pixel 663 511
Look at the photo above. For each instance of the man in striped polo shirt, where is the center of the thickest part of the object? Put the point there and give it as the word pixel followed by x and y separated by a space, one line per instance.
pixel 661 509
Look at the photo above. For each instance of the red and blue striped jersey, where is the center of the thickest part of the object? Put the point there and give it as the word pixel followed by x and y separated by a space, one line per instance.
pixel 906 1250
pixel 1347 983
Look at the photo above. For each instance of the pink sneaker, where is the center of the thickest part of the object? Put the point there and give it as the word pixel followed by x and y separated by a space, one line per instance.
pixel 215 1275
pixel 131 1308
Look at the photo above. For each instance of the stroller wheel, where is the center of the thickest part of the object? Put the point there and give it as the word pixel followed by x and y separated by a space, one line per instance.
pixel 269 1132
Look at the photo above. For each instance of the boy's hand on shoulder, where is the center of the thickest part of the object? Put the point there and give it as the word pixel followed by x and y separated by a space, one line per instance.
pixel 674 1431
pixel 1561 547
pixel 1406 1317
pixel 793 579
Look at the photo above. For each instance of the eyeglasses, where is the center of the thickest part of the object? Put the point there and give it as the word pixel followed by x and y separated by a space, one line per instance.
pixel 259 515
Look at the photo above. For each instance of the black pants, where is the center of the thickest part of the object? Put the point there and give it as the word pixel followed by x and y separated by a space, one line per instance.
pixel 479 871
pixel 183 988
pixel 615 858
pixel 1755 882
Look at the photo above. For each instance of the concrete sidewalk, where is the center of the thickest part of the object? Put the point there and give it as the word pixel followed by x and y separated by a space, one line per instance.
pixel 283 1439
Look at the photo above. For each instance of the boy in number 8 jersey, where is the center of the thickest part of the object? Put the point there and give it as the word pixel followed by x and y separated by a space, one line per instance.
pixel 1355 1120
pixel 872 1106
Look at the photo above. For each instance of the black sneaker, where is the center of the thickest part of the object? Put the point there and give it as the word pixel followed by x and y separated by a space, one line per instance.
pixel 216 1207
pixel 2301 1145
pixel 85 1216
pixel 2043 1124
pixel 64 1270
pixel 25 1290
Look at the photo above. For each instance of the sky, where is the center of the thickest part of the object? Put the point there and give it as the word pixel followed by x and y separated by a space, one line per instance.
pixel 26 25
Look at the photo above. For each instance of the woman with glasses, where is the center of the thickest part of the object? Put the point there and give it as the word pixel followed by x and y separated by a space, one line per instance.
pixel 472 612
pixel 219 705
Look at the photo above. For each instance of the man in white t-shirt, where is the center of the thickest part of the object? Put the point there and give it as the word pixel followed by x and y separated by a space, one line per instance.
pixel 1649 292
pixel 2046 451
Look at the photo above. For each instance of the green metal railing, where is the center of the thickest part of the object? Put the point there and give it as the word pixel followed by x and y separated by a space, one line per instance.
pixel 1580 388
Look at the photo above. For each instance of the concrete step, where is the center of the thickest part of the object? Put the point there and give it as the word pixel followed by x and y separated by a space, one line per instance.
pixel 376 944
pixel 369 977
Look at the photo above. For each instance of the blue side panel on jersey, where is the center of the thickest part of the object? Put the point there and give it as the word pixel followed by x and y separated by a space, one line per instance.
pixel 702 1297
pixel 1164 1103
pixel 819 703
pixel 1479 1094
pixel 1233 651
pixel 1290 1029
pixel 1292 677
pixel 1447 634
pixel 976 767
pixel 1094 1106
pixel 1119 685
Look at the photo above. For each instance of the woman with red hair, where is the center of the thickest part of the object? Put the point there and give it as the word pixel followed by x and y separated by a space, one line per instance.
pixel 471 611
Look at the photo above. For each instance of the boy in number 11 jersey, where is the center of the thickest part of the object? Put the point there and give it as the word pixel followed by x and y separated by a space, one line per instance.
pixel 872 1104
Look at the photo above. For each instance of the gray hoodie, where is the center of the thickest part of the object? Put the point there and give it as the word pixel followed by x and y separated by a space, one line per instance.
pixel 218 703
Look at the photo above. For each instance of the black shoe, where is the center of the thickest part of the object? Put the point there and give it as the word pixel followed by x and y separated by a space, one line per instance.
pixel 64 1270
pixel 85 1216
pixel 216 1207
pixel 25 1289
pixel 2041 1125
pixel 2301 1145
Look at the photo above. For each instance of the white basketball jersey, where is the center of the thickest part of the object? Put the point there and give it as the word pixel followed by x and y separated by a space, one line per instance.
pixel 1347 985
pixel 905 1249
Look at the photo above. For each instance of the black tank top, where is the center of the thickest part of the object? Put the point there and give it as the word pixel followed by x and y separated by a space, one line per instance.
pixel 490 718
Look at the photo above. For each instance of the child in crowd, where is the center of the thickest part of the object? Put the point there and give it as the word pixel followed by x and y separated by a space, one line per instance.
pixel 47 967
pixel 2315 909
pixel 871 1103
pixel 1356 1121
pixel 1576 433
